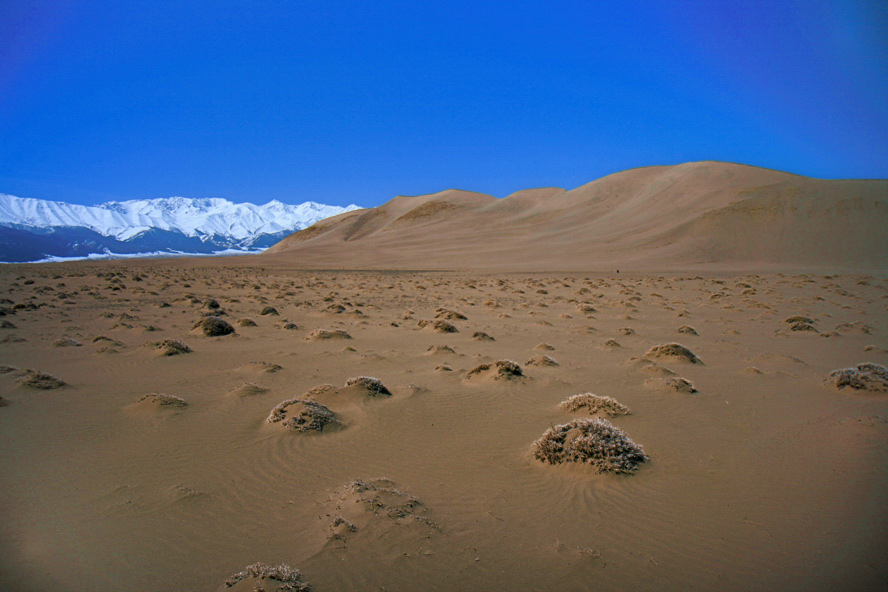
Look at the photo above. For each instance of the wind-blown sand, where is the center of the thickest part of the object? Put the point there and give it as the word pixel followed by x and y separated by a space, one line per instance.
pixel 131 463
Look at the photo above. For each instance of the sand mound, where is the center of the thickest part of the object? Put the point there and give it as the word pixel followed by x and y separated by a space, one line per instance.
pixel 66 342
pixel 289 326
pixel 373 386
pixel 798 319
pixel 649 367
pixel 4 402
pixel 863 377
pixel 439 326
pixel 482 336
pixel 269 310
pixel 303 415
pixel 260 367
pixel 611 344
pixel 319 334
pixel 595 442
pixel 267 578
pixel 214 326
pixel 246 322
pixel 499 370
pixel 172 347
pixel 673 383
pixel 161 401
pixel 674 351
pixel 439 349
pixel 450 315
pixel 544 347
pixel 248 389
pixel 541 360
pixel 594 404
pixel 855 327
pixel 372 503
pixel 686 330
pixel 40 380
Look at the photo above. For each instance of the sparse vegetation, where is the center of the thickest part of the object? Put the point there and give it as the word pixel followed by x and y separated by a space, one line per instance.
pixel 595 442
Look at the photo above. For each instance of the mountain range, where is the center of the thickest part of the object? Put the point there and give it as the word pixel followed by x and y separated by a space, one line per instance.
pixel 695 215
pixel 34 229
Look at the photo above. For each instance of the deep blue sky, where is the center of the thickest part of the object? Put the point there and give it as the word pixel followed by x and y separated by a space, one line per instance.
pixel 355 102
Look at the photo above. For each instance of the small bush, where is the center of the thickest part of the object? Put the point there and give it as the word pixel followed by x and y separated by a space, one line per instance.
pixel 285 577
pixel 595 442
pixel 595 404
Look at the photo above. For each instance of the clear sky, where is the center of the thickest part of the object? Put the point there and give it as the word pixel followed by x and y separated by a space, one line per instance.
pixel 356 102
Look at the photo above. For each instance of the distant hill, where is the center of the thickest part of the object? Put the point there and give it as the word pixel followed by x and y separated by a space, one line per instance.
pixel 34 229
pixel 694 215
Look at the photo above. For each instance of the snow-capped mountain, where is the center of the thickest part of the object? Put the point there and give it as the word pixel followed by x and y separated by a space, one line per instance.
pixel 35 229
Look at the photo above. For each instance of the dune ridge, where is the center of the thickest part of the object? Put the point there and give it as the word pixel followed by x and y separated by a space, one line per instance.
pixel 699 214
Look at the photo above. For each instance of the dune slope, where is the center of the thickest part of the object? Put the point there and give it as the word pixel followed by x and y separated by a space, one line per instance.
pixel 703 214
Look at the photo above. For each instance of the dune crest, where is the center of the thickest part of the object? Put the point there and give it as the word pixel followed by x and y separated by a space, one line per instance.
pixel 698 214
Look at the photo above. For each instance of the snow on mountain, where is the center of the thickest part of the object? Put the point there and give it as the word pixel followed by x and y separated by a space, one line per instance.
pixel 35 229
pixel 192 217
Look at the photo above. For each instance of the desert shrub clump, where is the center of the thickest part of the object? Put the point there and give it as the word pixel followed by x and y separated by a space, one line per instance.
pixel 867 377
pixel 595 442
pixel 303 415
pixel 374 385
pixel 285 577
pixel 595 404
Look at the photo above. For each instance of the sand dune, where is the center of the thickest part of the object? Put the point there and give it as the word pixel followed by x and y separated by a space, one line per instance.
pixel 459 430
pixel 700 214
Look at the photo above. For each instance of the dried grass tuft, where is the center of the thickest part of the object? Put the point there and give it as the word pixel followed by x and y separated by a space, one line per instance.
pixel 863 377
pixel 374 385
pixel 303 415
pixel 287 578
pixel 595 442
pixel 595 404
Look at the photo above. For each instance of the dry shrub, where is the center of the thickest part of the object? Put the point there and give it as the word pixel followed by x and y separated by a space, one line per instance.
pixel 595 442
pixel 450 315
pixel 373 385
pixel 286 578
pixel 866 377
pixel 66 342
pixel 673 350
pixel 40 380
pixel 269 310
pixel 595 404
pixel 612 344
pixel 482 336
pixel 214 326
pixel 439 326
pixel 172 347
pixel 798 319
pixel 303 415
pixel 500 370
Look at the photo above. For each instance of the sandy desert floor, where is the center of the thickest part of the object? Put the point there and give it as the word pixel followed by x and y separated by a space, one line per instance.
pixel 768 477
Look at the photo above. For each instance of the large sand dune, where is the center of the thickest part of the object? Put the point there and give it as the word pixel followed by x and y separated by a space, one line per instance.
pixel 704 214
